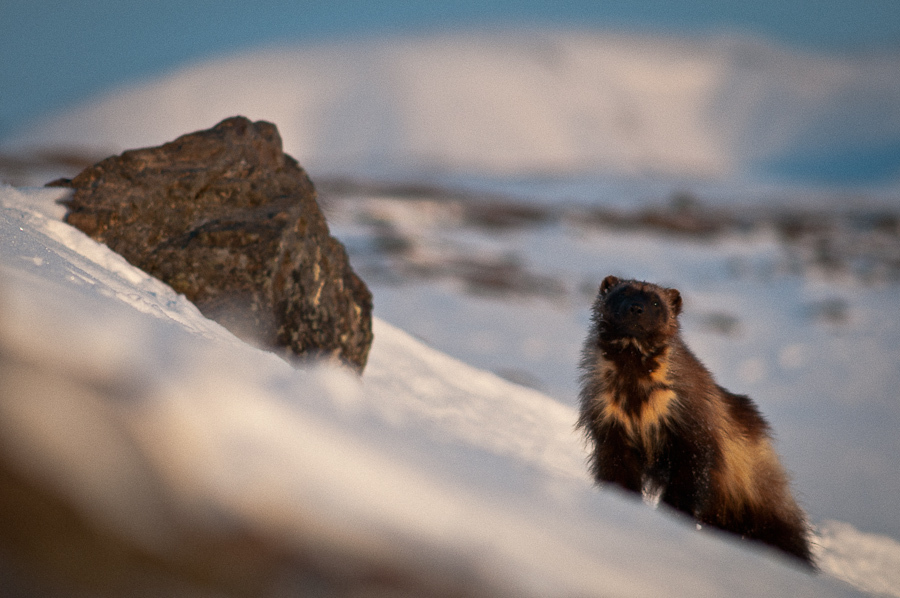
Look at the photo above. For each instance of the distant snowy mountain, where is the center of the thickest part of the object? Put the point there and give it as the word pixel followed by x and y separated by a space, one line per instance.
pixel 536 103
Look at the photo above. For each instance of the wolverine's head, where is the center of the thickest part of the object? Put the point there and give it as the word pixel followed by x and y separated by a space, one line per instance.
pixel 629 309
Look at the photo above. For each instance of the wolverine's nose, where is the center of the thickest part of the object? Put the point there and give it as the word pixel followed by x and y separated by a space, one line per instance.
pixel 634 307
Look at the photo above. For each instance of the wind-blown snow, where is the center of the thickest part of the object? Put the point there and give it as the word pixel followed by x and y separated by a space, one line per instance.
pixel 534 103
pixel 142 412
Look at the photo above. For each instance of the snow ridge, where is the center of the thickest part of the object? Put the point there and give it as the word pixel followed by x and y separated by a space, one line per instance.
pixel 150 419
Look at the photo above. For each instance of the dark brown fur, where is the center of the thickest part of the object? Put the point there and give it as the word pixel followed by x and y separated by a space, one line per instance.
pixel 657 420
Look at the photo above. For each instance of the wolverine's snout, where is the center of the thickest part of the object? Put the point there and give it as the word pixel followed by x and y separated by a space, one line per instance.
pixel 633 307
pixel 636 313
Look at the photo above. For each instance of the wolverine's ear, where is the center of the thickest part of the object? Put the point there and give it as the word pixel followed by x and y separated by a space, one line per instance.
pixel 674 300
pixel 608 283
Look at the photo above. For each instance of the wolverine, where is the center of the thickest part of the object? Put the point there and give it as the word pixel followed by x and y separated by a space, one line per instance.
pixel 658 423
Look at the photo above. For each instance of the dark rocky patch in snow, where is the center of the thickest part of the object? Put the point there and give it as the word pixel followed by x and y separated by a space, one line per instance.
pixel 416 232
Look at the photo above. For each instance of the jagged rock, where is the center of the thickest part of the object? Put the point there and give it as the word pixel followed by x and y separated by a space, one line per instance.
pixel 227 218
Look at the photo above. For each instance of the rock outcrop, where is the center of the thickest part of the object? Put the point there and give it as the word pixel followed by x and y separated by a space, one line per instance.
pixel 225 217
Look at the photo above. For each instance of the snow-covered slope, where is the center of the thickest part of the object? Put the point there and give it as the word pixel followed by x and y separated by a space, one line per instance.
pixel 147 417
pixel 528 103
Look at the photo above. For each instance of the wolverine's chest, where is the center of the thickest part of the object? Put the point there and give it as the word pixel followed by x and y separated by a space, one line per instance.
pixel 636 396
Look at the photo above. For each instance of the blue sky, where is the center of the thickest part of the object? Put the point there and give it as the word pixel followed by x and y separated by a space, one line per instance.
pixel 53 54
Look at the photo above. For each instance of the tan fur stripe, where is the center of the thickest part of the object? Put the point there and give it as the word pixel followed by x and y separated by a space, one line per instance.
pixel 743 462
pixel 644 428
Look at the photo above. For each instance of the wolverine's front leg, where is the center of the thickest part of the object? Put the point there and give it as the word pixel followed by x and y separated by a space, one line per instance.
pixel 688 485
pixel 616 461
